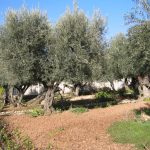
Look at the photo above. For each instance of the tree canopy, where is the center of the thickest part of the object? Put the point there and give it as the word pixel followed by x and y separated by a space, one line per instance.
pixel 23 42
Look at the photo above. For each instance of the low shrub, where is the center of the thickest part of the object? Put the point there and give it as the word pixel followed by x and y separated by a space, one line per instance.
pixel 79 110
pixel 13 140
pixel 106 89
pixel 145 110
pixel 127 92
pixel 104 96
pixel 147 99
pixel 36 112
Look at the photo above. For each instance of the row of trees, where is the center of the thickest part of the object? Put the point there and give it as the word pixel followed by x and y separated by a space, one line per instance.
pixel 73 50
pixel 128 56
pixel 35 51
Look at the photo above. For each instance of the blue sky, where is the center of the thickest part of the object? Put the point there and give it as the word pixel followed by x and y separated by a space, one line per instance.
pixel 113 10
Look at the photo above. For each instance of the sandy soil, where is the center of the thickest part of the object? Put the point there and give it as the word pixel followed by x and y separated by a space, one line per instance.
pixel 69 131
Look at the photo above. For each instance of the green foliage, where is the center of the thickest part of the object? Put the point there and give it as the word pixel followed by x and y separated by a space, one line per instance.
pixel 147 99
pixel 79 110
pixel 104 96
pixel 138 112
pixel 138 38
pixel 131 132
pixel 124 92
pixel 27 32
pixel 36 112
pixel 140 13
pixel 106 99
pixel 14 140
pixel 79 45
pixel 70 51
pixel 129 91
pixel 2 91
pixel 116 58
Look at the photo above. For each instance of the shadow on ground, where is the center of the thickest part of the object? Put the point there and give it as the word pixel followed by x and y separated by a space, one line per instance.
pixel 145 110
pixel 88 103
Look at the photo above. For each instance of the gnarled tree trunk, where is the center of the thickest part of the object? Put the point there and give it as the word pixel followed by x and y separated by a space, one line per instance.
pixel 21 93
pixel 48 101
pixel 112 85
pixel 144 85
pixel 21 89
pixel 6 95
pixel 11 88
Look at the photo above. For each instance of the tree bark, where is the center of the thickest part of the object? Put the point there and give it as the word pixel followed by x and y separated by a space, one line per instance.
pixel 11 88
pixel 144 83
pixel 6 95
pixel 21 93
pixel 21 89
pixel 112 85
pixel 48 101
pixel 146 91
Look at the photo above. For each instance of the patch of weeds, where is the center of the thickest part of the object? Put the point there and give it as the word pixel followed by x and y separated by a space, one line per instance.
pixel 79 110
pixel 147 99
pixel 13 140
pixel 58 110
pixel 36 112
pixel 127 93
pixel 104 96
pixel 56 131
pixel 106 99
pixel 138 112
pixel 131 132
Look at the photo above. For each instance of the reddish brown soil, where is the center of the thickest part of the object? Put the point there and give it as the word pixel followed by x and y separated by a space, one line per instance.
pixel 69 131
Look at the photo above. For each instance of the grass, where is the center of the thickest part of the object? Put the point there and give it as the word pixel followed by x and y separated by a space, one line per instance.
pixel 79 110
pixel 36 112
pixel 14 140
pixel 131 132
pixel 147 99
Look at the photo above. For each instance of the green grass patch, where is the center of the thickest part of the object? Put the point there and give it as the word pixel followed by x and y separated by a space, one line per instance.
pixel 131 132
pixel 147 99
pixel 36 112
pixel 79 110
pixel 14 140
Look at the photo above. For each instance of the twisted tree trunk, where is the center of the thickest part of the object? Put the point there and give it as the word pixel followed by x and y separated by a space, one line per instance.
pixel 144 85
pixel 48 101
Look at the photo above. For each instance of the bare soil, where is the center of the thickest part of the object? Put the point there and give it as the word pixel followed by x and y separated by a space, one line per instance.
pixel 69 131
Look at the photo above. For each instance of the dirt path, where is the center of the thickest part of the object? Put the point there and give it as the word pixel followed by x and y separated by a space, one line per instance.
pixel 69 131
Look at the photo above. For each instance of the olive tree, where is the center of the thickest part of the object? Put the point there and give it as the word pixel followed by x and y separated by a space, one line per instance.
pixel 140 12
pixel 23 42
pixel 116 59
pixel 70 57
pixel 83 39
pixel 139 54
